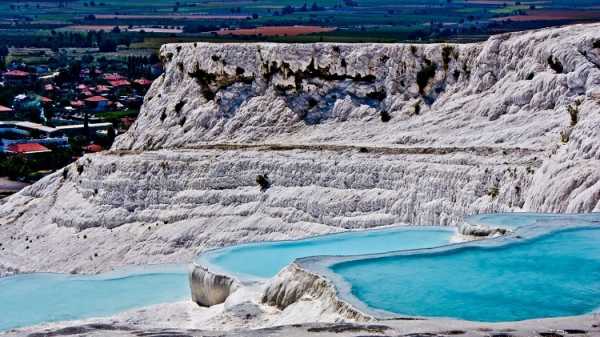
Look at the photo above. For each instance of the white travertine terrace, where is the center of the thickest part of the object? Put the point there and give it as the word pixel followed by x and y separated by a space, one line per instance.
pixel 511 124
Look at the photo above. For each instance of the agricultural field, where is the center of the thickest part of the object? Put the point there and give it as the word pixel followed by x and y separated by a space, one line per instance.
pixel 141 26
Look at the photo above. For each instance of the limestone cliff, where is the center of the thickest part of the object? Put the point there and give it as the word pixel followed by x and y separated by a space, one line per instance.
pixel 350 136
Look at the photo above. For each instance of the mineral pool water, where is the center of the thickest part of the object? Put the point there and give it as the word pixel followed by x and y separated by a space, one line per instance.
pixel 557 274
pixel 518 219
pixel 264 260
pixel 30 299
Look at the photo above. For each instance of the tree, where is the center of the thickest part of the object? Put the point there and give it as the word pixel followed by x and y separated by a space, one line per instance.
pixel 87 59
pixel 107 45
pixel 74 71
pixel 111 134
pixel 287 10
pixel 15 166
pixel 86 125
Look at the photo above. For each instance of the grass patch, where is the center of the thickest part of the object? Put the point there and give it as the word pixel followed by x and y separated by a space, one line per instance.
pixel 111 116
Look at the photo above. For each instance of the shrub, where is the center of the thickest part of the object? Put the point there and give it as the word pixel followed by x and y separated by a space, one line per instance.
pixel 204 78
pixel 446 53
pixel 263 182
pixel 378 95
pixel 574 114
pixel 385 116
pixel 564 137
pixel 456 74
pixel 424 75
pixel 555 64
pixel 179 105
pixel 466 70
pixel 493 192
pixel 417 107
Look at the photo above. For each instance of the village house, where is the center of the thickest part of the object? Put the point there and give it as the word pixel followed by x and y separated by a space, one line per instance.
pixel 26 148
pixel 13 133
pixel 6 113
pixel 17 78
pixel 97 103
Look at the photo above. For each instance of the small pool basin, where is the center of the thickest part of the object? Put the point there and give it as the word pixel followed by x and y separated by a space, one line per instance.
pixel 30 299
pixel 266 259
pixel 547 272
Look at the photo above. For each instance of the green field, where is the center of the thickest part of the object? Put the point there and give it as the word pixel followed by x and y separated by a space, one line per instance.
pixel 354 20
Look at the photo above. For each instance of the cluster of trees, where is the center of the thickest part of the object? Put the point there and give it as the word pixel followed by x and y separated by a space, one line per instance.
pixel 3 55
pixel 140 65
pixel 106 41
pixel 21 167
pixel 304 8
pixel 93 4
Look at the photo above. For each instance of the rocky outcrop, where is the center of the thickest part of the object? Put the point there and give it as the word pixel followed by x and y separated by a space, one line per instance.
pixel 295 284
pixel 209 288
pixel 350 136
pixel 479 230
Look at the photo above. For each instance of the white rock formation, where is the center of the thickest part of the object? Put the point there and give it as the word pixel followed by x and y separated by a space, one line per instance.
pixel 508 124
pixel 295 286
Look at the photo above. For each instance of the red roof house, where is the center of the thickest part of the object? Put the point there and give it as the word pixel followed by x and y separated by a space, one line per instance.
pixel 17 77
pixel 127 121
pixel 77 104
pixel 16 73
pixel 93 148
pixel 102 88
pixel 27 148
pixel 120 83
pixel 143 82
pixel 45 99
pixel 113 77
pixel 98 103
pixel 96 99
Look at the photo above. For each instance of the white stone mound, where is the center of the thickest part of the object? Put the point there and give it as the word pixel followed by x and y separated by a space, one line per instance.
pixel 350 136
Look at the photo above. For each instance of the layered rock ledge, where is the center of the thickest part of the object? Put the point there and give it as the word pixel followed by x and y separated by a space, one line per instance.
pixel 350 136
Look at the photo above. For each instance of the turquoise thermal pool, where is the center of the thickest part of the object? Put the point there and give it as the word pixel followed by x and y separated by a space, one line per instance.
pixel 30 299
pixel 549 267
pixel 266 259
pixel 552 274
